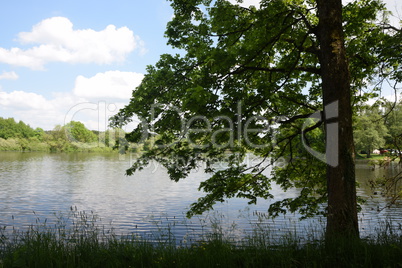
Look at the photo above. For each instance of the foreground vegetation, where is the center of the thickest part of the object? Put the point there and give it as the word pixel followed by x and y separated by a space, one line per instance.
pixel 80 242
pixel 43 250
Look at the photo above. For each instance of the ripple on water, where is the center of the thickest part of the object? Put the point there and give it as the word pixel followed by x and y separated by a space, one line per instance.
pixel 147 202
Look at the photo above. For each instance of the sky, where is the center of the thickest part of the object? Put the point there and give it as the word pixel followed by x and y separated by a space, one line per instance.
pixel 79 60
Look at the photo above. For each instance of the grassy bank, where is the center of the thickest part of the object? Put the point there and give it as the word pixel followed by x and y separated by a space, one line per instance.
pixel 85 244
pixel 373 156
pixel 44 250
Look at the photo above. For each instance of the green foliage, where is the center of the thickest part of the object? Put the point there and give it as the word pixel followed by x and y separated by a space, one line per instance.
pixel 378 126
pixel 76 131
pixel 39 133
pixel 370 131
pixel 73 137
pixel 247 83
pixel 393 119
pixel 11 129
pixel 9 145
pixel 111 137
pixel 365 62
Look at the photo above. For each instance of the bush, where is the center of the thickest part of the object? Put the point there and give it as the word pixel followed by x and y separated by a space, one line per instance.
pixel 9 145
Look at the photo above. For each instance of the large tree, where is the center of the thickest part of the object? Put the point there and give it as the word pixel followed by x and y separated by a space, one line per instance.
pixel 276 81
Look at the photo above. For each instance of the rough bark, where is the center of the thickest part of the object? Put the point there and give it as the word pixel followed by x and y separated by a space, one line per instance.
pixel 342 206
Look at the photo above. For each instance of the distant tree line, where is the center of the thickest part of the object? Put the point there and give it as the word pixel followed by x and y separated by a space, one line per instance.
pixel 72 137
pixel 375 126
pixel 9 128
pixel 378 126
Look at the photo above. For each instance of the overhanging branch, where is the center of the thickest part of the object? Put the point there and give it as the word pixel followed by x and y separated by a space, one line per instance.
pixel 279 70
pixel 294 118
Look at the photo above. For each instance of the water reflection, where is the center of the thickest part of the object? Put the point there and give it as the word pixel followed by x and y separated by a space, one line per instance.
pixel 49 183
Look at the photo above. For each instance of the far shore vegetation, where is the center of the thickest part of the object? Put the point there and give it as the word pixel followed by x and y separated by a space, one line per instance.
pixel 72 137
pixel 376 127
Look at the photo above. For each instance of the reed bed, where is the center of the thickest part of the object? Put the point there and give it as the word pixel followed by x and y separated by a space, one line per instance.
pixel 77 239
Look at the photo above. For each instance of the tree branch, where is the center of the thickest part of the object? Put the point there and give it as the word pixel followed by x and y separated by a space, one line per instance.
pixel 278 70
pixel 296 117
pixel 283 96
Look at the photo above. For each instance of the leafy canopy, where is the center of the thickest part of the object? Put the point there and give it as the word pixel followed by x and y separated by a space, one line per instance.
pixel 248 81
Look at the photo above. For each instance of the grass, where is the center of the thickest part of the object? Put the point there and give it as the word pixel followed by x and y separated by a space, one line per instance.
pixel 80 242
pixel 372 156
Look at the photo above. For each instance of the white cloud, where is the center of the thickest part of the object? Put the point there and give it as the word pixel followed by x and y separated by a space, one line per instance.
pixel 111 84
pixel 23 100
pixel 57 41
pixel 92 101
pixel 9 75
pixel 38 111
pixel 247 3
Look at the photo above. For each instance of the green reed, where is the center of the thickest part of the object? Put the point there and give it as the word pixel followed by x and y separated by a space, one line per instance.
pixel 77 239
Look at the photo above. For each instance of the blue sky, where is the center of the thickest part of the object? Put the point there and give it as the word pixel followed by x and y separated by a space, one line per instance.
pixel 78 60
pixel 55 55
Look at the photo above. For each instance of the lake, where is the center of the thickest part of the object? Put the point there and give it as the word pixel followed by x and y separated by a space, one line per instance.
pixel 39 187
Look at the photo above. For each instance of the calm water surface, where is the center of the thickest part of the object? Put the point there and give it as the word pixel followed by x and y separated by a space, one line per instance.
pixel 38 185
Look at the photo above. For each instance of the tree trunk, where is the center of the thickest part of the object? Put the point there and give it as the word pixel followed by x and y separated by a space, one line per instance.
pixel 341 185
